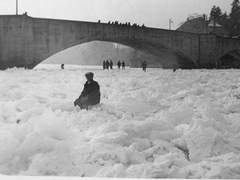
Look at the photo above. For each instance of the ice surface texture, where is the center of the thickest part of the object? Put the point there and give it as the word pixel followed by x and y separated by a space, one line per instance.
pixel 156 124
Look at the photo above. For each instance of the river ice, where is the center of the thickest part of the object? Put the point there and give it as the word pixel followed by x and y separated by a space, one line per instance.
pixel 157 124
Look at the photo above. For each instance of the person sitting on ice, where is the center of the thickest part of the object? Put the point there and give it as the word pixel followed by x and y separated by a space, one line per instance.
pixel 90 94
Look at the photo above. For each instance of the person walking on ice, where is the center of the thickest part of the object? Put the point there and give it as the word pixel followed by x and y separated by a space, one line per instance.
pixel 123 65
pixel 119 64
pixel 107 65
pixel 144 66
pixel 104 65
pixel 111 64
pixel 90 94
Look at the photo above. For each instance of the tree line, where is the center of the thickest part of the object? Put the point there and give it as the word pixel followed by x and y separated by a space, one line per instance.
pixel 230 21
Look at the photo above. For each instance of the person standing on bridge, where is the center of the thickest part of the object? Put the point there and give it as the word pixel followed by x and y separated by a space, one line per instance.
pixel 90 94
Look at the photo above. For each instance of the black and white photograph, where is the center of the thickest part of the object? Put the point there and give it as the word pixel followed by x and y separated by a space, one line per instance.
pixel 123 89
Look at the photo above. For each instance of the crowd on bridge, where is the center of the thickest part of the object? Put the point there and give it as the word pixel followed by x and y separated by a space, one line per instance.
pixel 123 24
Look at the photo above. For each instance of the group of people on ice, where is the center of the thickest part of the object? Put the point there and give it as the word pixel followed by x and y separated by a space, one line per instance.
pixel 109 64
pixel 121 63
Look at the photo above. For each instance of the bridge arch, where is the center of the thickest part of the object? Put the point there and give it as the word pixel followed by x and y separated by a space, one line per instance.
pixel 227 52
pixel 92 53
pixel 27 41
pixel 165 56
pixel 56 35
pixel 229 60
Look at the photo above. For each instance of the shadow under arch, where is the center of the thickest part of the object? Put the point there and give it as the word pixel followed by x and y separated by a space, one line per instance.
pixel 94 52
pixel 229 60
pixel 87 53
pixel 167 57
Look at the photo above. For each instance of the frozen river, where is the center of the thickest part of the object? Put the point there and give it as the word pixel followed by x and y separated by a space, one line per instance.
pixel 157 124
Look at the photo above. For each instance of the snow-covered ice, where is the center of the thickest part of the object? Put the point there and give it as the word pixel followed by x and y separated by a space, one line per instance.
pixel 157 124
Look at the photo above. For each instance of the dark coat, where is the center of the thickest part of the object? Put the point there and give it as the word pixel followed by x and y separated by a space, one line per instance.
pixel 119 64
pixel 107 64
pixel 144 65
pixel 92 92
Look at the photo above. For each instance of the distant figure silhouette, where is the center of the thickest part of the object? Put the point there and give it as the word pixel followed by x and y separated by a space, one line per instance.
pixel 174 68
pixel 104 65
pixel 119 64
pixel 107 64
pixel 144 66
pixel 123 65
pixel 62 66
pixel 111 64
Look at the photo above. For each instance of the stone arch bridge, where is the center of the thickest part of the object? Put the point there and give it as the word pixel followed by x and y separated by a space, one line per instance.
pixel 27 41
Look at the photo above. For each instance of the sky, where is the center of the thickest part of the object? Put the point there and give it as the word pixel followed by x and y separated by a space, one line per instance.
pixel 152 13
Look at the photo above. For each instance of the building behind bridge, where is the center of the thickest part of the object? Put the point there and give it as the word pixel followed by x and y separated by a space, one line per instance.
pixel 201 25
